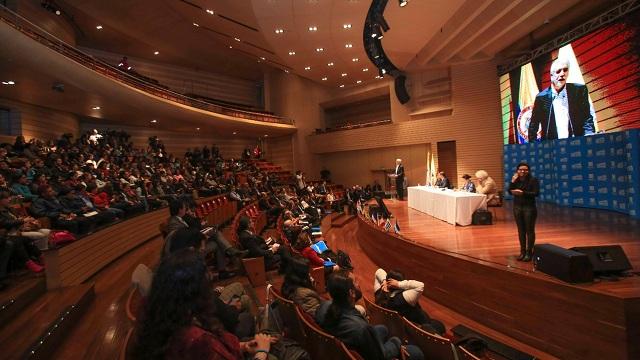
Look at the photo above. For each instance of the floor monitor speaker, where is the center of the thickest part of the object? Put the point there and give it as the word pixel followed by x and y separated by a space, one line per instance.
pixel 606 258
pixel 567 265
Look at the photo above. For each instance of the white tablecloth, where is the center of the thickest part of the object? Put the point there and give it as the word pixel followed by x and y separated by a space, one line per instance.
pixel 454 207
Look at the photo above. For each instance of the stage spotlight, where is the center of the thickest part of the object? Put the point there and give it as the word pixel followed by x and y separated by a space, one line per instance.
pixel 382 72
pixel 403 3
pixel 382 22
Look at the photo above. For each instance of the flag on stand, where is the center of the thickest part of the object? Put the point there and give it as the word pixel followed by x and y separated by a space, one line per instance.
pixel 387 225
pixel 397 227
pixel 380 220
pixel 374 218
pixel 359 207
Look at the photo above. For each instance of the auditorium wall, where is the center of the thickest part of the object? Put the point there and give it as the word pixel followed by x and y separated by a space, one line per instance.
pixel 474 123
pixel 177 143
pixel 280 151
pixel 298 98
pixel 35 121
pixel 187 80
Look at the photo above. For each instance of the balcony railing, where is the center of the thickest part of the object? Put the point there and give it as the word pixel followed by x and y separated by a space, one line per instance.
pixel 42 36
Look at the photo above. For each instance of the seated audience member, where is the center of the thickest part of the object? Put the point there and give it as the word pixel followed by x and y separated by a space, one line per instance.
pixel 468 184
pixel 21 187
pixel 183 320
pixel 442 181
pixel 22 251
pixel 257 246
pixel 298 287
pixel 61 218
pixel 100 200
pixel 393 292
pixel 487 186
pixel 303 246
pixel 291 226
pixel 93 216
pixel 235 195
pixel 341 319
pixel 24 226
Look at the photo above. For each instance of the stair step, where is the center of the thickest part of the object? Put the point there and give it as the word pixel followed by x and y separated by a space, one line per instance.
pixel 21 291
pixel 37 331
pixel 342 220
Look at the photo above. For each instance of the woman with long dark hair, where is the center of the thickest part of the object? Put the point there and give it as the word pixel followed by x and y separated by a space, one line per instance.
pixel 298 287
pixel 341 319
pixel 180 319
pixel 525 188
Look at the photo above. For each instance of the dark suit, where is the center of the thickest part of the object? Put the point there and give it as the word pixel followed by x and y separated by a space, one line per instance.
pixel 444 183
pixel 580 118
pixel 400 182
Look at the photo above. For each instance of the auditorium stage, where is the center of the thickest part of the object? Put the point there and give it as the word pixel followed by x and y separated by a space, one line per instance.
pixel 498 243
pixel 473 271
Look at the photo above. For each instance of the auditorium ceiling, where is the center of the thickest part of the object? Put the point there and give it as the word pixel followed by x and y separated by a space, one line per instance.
pixel 243 37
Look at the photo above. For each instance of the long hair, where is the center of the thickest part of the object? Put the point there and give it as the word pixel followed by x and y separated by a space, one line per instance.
pixel 297 276
pixel 338 285
pixel 180 293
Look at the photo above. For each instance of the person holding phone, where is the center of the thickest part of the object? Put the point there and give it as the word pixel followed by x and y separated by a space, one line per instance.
pixel 525 188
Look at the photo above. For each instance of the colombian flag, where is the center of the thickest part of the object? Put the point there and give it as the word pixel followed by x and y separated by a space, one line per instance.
pixel 526 98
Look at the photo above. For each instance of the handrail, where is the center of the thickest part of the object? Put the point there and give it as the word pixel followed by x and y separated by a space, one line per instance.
pixel 42 36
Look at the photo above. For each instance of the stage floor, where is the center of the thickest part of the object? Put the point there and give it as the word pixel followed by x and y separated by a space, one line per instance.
pixel 498 243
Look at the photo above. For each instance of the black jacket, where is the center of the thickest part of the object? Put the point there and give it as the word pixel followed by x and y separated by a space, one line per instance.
pixel 255 244
pixel 531 188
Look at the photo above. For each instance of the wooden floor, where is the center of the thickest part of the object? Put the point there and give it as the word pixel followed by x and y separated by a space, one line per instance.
pixel 498 243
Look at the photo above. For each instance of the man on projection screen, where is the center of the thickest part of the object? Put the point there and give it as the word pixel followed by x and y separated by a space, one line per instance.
pixel 563 109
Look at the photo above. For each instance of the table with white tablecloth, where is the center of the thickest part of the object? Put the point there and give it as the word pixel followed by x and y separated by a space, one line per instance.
pixel 454 207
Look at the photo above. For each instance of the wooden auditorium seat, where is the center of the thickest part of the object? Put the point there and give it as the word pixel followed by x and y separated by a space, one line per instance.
pixel 389 318
pixel 433 346
pixel 291 326
pixel 321 345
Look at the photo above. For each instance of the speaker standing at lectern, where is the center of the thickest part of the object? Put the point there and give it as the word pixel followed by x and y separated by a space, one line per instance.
pixel 399 176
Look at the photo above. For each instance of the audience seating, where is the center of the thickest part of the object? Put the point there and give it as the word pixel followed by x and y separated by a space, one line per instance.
pixel 292 326
pixel 389 318
pixel 465 354
pixel 433 346
pixel 254 267
pixel 321 345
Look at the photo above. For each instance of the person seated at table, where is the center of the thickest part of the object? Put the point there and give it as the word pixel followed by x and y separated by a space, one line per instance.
pixel 486 185
pixel 395 293
pixel 468 184
pixel 443 181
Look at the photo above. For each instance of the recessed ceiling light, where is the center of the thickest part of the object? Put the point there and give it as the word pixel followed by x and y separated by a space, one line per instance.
pixel 365 69
pixel 279 31
pixel 198 129
pixel 378 77
pixel 313 28
pixel 341 85
pixel 319 49
pixel 96 108
pixel 156 52
pixel 154 121
pixel 99 27
pixel 403 3
pixel 210 12
pixel 287 71
pixel 354 59
pixel 346 26
pixel 234 132
pixel 358 82
pixel 307 67
pixel 195 24
pixel 263 58
pixel 330 64
pixel 230 47
pixel 292 53
pixel 343 74
pixel 9 82
pixel 348 46
pixel 266 135
pixel 324 79
pixel 236 39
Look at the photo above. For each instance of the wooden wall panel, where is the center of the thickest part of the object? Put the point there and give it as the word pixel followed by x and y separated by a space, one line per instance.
pixel 377 109
pixel 474 124
pixel 185 80
pixel 356 167
pixel 177 143
pixel 280 152
pixel 59 26
pixel 36 122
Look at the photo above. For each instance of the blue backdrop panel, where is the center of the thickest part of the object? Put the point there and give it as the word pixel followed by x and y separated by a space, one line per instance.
pixel 600 171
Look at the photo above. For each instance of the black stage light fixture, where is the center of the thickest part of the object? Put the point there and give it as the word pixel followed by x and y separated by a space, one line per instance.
pixel 403 3
pixel 382 22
